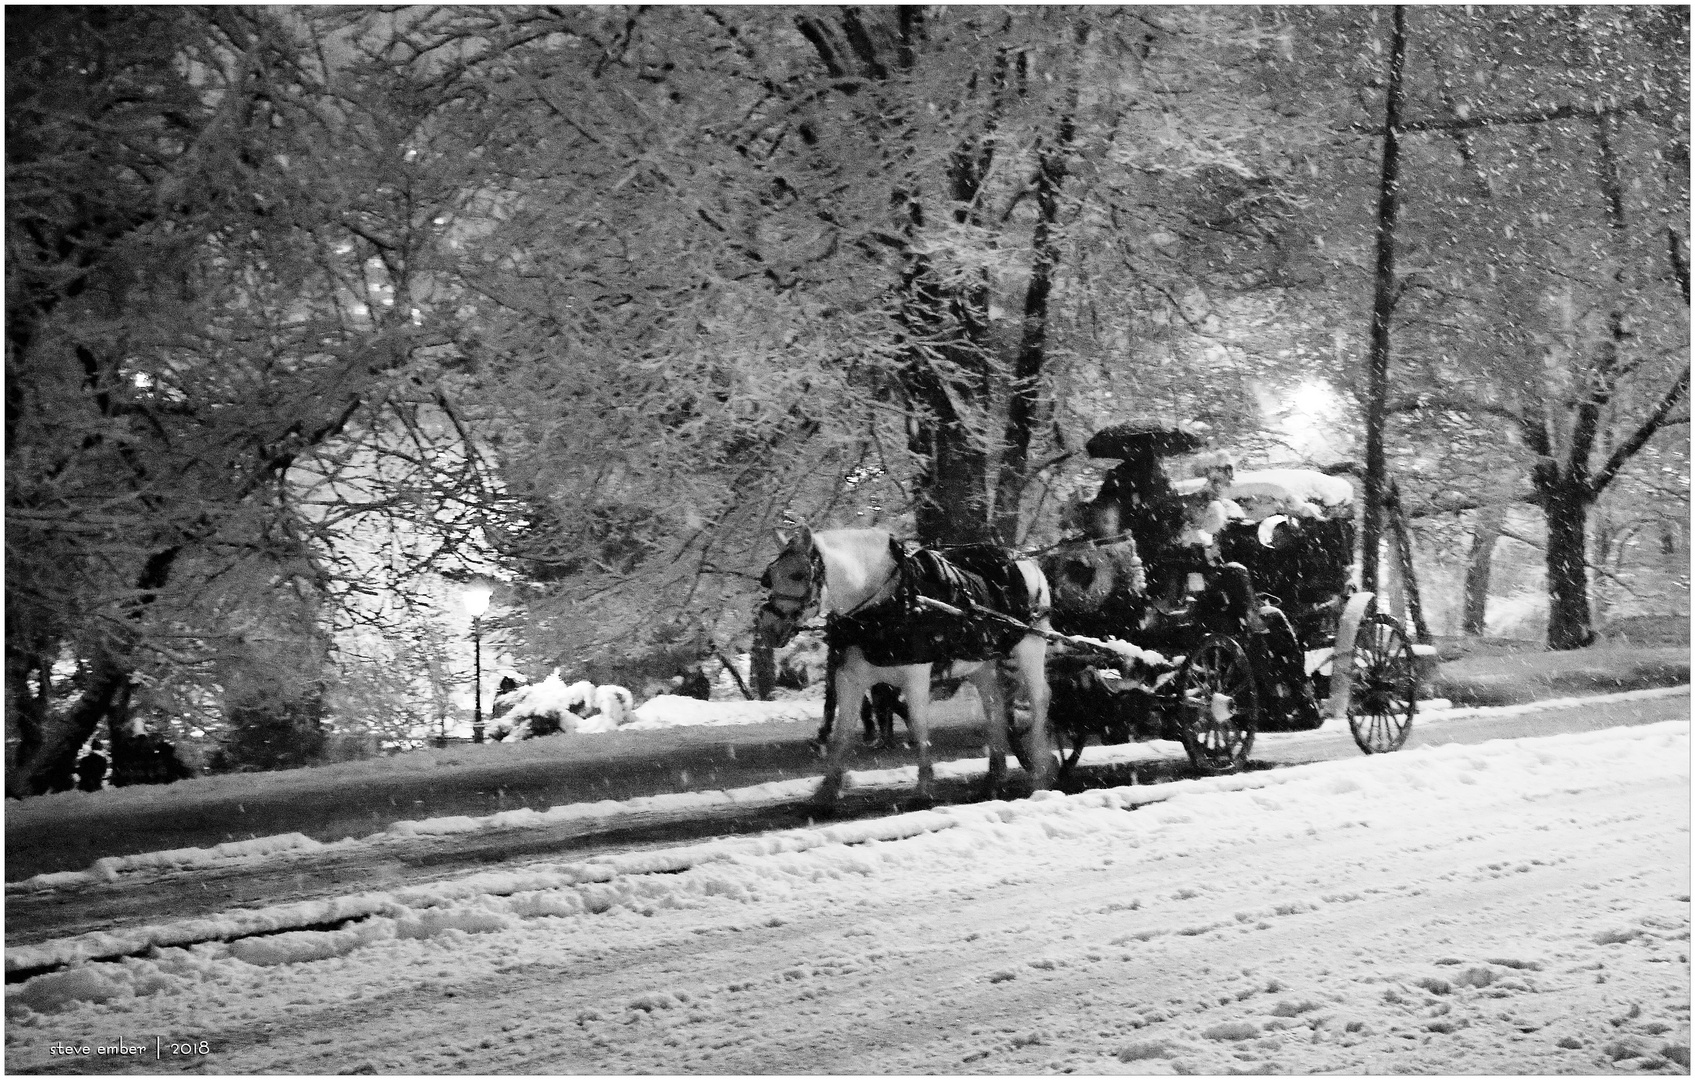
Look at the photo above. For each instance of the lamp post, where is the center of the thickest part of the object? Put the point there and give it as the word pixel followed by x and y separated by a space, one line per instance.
pixel 476 598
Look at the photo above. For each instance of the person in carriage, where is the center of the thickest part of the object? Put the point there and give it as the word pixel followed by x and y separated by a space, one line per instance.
pixel 1163 554
pixel 1141 532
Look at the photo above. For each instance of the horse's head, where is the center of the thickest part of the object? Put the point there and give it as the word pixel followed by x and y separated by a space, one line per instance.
pixel 794 580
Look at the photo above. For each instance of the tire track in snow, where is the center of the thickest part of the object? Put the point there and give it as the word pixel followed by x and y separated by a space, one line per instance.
pixel 898 972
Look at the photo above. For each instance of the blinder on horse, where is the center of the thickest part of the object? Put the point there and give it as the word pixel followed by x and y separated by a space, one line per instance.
pixel 779 619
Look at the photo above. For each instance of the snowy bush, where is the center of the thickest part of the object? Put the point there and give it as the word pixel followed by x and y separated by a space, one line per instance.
pixel 550 707
pixel 614 702
pixel 802 663
pixel 544 708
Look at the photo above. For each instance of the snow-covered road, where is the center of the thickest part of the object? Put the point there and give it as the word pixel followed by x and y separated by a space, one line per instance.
pixel 1511 907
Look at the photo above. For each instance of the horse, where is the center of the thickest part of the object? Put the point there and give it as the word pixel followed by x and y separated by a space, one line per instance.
pixel 871 588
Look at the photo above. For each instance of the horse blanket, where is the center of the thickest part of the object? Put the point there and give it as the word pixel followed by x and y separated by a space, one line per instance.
pixel 900 630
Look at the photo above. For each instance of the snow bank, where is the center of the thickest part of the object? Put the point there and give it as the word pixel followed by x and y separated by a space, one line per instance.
pixel 670 710
pixel 47 812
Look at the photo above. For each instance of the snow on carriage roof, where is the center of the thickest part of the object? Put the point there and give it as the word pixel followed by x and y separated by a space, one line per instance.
pixel 1307 485
pixel 1287 486
pixel 1296 485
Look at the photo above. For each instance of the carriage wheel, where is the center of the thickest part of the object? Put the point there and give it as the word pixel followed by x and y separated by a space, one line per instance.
pixel 1218 705
pixel 1384 694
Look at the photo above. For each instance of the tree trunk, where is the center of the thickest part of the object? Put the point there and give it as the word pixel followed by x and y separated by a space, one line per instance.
pixel 948 325
pixel 764 668
pixel 735 675
pixel 1409 574
pixel 1490 519
pixel 952 503
pixel 1021 417
pixel 1569 623
pixel 1568 493
pixel 944 324
pixel 49 766
pixel 1383 303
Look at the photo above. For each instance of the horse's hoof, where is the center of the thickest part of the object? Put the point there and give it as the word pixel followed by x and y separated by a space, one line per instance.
pixel 829 790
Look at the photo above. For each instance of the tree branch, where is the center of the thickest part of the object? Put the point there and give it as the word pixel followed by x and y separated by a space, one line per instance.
pixel 1530 116
pixel 1679 262
pixel 1639 438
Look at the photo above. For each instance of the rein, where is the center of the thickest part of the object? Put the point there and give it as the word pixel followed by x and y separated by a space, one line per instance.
pixel 1077 541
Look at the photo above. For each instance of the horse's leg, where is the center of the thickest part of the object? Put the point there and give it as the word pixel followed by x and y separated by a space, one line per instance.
pixel 832 664
pixel 897 707
pixel 1030 656
pixel 886 701
pixel 915 684
pixel 997 717
pixel 871 712
pixel 853 679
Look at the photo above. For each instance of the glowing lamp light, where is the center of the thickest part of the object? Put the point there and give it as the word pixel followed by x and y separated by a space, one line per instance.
pixel 1309 419
pixel 475 598
pixel 1313 398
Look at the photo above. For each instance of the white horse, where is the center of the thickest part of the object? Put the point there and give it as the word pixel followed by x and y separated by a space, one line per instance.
pixel 868 584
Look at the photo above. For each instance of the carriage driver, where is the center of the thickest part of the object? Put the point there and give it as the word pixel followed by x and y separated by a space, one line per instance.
pixel 1171 531
pixel 1137 496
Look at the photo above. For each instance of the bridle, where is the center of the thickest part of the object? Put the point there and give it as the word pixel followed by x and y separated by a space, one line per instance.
pixel 785 609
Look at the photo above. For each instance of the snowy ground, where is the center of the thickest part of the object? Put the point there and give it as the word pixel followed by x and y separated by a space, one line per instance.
pixel 1517 906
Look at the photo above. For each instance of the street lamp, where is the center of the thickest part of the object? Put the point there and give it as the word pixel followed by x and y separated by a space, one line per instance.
pixel 475 598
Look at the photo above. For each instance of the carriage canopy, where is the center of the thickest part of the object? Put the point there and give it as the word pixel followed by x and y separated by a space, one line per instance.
pixel 1137 439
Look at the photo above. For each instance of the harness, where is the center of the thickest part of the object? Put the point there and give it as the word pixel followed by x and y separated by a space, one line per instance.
pixel 783 612
pixel 899 630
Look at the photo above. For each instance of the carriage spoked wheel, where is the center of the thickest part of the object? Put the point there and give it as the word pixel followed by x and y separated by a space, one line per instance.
pixel 1383 697
pixel 1218 705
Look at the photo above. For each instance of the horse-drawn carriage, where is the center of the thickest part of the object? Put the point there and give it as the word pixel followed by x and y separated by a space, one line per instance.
pixel 1220 609
pixel 1223 608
